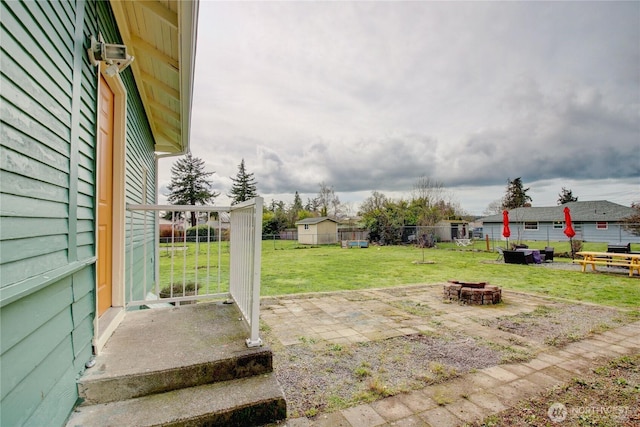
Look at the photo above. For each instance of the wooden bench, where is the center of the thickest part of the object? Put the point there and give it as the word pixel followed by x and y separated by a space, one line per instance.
pixel 609 259
pixel 621 249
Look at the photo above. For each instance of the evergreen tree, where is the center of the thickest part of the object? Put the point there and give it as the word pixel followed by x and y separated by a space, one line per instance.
pixel 243 187
pixel 516 196
pixel 566 196
pixel 189 184
pixel 295 209
pixel 297 203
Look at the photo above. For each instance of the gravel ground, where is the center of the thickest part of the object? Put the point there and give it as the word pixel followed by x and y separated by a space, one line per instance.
pixel 322 377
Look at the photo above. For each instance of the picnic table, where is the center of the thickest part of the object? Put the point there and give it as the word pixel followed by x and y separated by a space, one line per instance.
pixel 609 259
pixel 462 242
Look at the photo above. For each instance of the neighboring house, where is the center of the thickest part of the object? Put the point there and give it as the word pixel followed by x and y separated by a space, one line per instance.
pixel 593 221
pixel 78 143
pixel 168 228
pixel 223 222
pixel 317 231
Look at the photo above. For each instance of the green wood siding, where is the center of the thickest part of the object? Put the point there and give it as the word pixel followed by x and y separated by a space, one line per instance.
pixel 48 109
pixel 36 118
pixel 41 356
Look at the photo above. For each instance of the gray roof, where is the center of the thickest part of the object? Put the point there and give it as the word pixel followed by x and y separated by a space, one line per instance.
pixel 598 210
pixel 316 220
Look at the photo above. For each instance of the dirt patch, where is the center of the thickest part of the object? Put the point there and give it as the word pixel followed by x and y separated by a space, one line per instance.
pixel 607 396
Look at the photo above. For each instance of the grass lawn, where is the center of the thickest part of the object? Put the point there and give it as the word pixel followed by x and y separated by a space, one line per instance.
pixel 289 268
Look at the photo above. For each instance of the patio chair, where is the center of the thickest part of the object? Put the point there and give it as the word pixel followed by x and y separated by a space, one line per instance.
pixel 500 251
pixel 548 254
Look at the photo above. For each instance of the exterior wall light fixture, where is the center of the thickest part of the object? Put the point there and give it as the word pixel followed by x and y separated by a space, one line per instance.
pixel 114 55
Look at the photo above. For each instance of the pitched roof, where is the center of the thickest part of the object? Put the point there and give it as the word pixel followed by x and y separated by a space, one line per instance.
pixel 591 211
pixel 161 36
pixel 316 220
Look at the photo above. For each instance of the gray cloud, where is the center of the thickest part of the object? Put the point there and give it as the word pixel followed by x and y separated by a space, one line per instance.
pixel 370 95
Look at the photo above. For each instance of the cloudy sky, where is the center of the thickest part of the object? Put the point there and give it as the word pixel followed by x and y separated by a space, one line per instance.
pixel 370 96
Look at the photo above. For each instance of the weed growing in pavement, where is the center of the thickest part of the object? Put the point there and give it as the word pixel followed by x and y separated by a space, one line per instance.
pixel 442 398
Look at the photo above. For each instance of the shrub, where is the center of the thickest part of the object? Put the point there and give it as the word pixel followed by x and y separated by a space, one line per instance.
pixel 203 233
pixel 576 246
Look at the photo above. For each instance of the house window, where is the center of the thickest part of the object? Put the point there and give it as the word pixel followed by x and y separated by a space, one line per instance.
pixel 530 225
pixel 558 225
pixel 602 225
pixel 306 226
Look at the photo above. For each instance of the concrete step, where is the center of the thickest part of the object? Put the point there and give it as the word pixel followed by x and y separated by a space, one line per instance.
pixel 155 351
pixel 252 401
pixel 110 388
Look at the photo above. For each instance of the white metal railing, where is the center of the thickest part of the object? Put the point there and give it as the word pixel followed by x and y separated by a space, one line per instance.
pixel 246 245
pixel 167 266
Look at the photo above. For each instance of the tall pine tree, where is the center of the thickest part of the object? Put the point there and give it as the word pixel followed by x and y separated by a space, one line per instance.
pixel 516 196
pixel 566 196
pixel 243 187
pixel 190 184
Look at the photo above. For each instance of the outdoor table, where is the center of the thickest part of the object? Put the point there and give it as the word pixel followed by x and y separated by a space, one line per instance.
pixel 462 242
pixel 609 259
pixel 534 252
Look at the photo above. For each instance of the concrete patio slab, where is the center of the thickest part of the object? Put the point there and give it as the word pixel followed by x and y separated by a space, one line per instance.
pixel 375 315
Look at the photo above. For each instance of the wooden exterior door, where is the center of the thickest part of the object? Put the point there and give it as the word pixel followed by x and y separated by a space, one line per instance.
pixel 105 196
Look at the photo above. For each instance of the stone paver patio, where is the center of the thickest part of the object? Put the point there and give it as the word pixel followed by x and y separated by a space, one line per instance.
pixel 369 315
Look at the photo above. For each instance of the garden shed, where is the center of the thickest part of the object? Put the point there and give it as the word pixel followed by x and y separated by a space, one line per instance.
pixel 446 230
pixel 317 231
